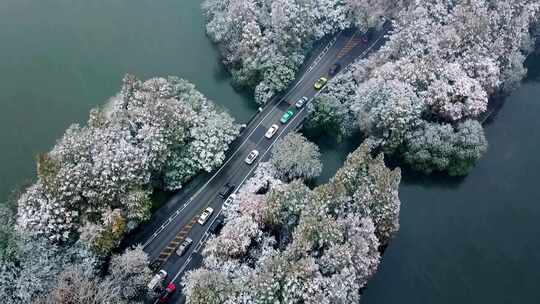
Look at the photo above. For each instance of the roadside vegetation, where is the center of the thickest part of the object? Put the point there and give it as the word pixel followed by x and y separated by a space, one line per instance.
pixel 294 157
pixel 264 42
pixel 283 242
pixel 94 186
pixel 421 98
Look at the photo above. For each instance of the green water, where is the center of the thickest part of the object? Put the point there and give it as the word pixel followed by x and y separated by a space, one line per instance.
pixel 59 58
pixel 461 241
pixel 473 240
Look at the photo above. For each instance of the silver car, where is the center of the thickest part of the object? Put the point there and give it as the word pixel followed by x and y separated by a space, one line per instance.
pixel 184 246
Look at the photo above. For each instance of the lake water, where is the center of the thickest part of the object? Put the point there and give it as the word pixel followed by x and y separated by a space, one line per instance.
pixel 60 58
pixel 474 240
pixel 461 241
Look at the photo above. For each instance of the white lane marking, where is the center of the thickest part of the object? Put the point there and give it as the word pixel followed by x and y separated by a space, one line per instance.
pixel 289 92
pixel 182 268
pixel 323 53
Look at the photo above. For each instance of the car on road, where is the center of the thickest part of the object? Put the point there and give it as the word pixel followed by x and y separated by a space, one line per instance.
pixel 226 190
pixel 205 215
pixel 251 157
pixel 216 226
pixel 301 102
pixel 157 279
pixel 286 116
pixel 242 127
pixel 166 295
pixel 184 246
pixel 228 202
pixel 271 131
pixel 320 83
pixel 334 69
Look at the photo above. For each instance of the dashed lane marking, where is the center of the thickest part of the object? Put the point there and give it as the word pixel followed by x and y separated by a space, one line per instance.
pixel 351 44
pixel 166 252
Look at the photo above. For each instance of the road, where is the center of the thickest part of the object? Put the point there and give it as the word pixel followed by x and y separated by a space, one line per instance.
pixel 177 219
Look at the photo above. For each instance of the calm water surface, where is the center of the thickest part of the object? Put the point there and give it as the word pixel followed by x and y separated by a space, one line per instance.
pixel 461 241
pixel 60 58
pixel 474 240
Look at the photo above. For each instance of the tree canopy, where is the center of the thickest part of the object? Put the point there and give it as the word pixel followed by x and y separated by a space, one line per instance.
pixel 297 245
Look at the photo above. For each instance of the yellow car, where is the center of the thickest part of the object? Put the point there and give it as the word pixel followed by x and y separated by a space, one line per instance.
pixel 320 83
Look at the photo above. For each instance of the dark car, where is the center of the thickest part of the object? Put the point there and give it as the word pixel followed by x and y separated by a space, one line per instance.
pixel 154 266
pixel 334 69
pixel 226 190
pixel 167 293
pixel 216 226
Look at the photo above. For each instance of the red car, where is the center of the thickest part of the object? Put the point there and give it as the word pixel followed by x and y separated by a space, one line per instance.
pixel 167 293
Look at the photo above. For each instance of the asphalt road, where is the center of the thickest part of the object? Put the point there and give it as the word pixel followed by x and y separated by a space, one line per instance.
pixel 176 220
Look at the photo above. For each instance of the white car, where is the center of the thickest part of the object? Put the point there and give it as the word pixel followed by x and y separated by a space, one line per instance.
pixel 301 102
pixel 205 215
pixel 228 202
pixel 157 279
pixel 251 157
pixel 271 131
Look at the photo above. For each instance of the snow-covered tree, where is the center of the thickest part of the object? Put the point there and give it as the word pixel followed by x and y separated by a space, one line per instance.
pixel 436 147
pixel 79 283
pixel 138 205
pixel 369 13
pixel 282 210
pixel 265 42
pixel 302 246
pixel 37 263
pixel 75 285
pixel 129 274
pixel 264 177
pixel 328 115
pixel 160 132
pixel 8 235
pixel 386 109
pixel 208 287
pixel 454 95
pixel 235 238
pixel 451 56
pixel 293 156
